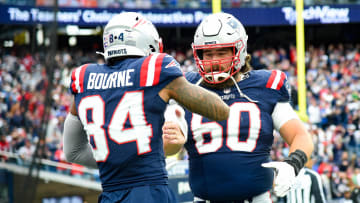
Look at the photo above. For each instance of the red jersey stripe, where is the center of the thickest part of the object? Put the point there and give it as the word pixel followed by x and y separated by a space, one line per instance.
pixel 158 65
pixel 81 79
pixel 281 82
pixel 271 79
pixel 73 79
pixel 144 71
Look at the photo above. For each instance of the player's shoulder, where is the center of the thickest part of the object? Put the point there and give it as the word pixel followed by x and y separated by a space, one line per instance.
pixel 162 60
pixel 78 77
pixel 273 79
pixel 192 76
pixel 88 67
pixel 158 68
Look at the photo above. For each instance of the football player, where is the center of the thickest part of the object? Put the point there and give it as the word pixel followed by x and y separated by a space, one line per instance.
pixel 118 111
pixel 230 160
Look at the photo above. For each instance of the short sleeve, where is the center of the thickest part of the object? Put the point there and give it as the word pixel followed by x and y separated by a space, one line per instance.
pixel 159 69
pixel 77 79
pixel 279 82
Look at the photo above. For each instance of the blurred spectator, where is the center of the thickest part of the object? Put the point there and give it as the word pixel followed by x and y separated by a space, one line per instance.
pixel 25 153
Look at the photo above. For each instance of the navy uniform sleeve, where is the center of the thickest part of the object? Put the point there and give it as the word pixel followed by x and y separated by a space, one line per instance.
pixel 192 77
pixel 77 79
pixel 159 70
pixel 278 81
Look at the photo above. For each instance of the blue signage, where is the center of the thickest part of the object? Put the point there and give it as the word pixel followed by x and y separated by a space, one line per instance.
pixel 180 186
pixel 323 14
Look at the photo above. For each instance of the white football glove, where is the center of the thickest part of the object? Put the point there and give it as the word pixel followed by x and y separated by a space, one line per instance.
pixel 284 176
pixel 176 114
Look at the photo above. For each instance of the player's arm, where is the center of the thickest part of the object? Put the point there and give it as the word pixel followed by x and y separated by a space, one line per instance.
pixel 76 146
pixel 294 133
pixel 196 99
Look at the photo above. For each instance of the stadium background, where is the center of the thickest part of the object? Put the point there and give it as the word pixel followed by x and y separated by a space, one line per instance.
pixel 38 53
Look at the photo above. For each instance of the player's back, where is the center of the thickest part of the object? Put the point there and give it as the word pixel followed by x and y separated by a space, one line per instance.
pixel 122 114
pixel 226 156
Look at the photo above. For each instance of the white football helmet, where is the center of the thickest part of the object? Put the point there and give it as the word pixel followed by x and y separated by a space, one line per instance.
pixel 220 30
pixel 130 34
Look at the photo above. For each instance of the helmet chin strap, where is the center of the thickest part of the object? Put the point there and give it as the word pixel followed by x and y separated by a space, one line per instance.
pixel 240 92
pixel 221 76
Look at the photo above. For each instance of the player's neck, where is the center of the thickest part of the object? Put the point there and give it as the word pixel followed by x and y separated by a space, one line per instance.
pixel 238 76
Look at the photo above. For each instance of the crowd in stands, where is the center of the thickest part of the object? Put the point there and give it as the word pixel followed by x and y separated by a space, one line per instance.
pixel 147 4
pixel 333 98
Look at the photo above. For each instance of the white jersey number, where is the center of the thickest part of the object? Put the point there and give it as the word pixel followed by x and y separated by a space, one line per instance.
pixel 215 130
pixel 130 107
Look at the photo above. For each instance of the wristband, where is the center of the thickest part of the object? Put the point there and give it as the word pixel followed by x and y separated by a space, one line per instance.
pixel 297 160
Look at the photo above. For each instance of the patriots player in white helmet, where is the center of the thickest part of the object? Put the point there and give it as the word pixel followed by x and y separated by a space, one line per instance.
pixel 230 160
pixel 118 110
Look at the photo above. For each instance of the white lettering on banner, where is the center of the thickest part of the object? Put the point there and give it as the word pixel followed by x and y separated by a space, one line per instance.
pixel 90 16
pixel 18 15
pixel 41 16
pixel 38 15
pixel 69 17
pixel 170 18
pixel 325 14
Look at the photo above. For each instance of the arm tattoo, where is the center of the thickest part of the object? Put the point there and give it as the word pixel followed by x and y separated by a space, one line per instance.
pixel 198 100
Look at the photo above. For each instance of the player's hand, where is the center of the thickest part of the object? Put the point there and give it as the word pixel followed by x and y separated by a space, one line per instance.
pixel 175 113
pixel 172 133
pixel 284 176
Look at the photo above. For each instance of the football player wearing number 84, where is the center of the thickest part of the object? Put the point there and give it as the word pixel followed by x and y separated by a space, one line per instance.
pixel 118 111
pixel 230 160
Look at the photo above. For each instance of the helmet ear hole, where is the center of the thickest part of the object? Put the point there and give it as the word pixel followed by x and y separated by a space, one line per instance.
pixel 152 48
pixel 199 53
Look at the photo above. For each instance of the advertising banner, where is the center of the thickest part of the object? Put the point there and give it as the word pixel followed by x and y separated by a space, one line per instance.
pixel 181 17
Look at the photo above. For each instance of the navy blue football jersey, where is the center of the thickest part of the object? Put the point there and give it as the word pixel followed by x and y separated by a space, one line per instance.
pixel 225 157
pixel 122 114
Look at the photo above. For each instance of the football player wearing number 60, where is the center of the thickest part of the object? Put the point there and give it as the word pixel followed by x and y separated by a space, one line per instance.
pixel 118 111
pixel 230 160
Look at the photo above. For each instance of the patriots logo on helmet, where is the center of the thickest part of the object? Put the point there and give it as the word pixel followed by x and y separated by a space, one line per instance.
pixel 233 23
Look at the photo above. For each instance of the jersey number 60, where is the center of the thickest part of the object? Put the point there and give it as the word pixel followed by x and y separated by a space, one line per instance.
pixel 233 130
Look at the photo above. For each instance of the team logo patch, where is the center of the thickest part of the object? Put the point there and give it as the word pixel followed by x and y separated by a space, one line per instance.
pixel 233 24
pixel 172 64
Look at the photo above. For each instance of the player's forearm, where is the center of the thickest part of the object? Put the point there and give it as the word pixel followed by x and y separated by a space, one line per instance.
pixel 304 143
pixel 198 100
pixel 208 104
pixel 295 134
pixel 76 146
